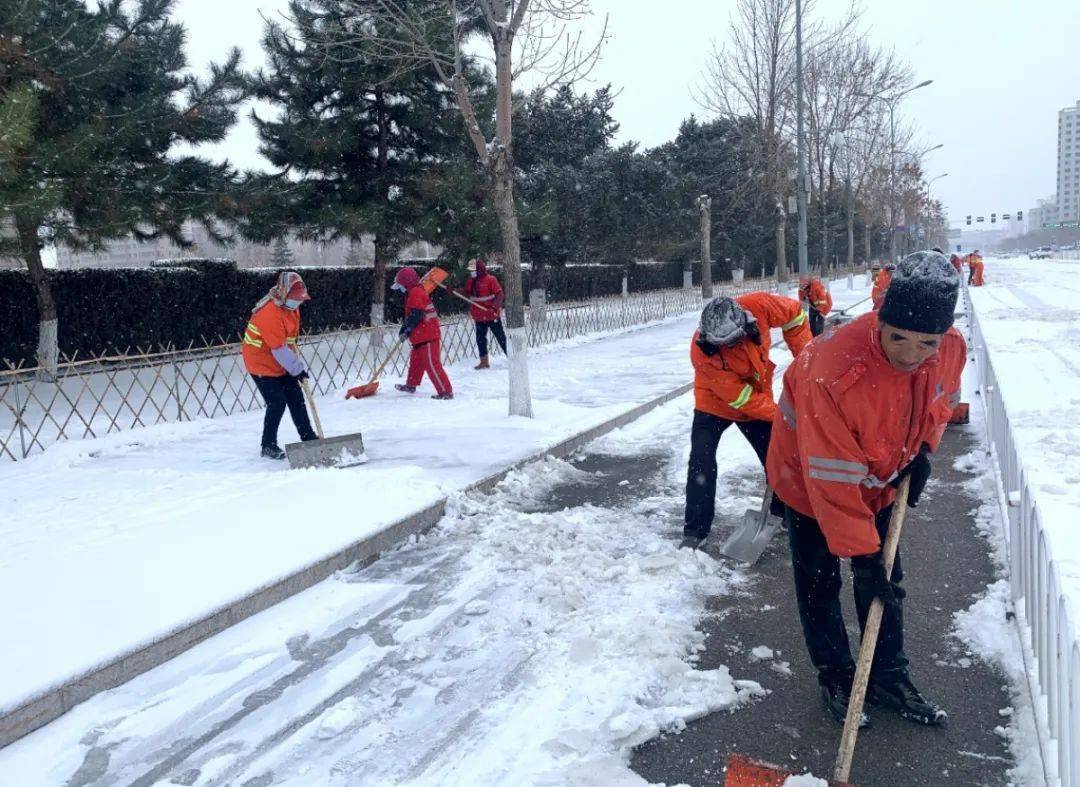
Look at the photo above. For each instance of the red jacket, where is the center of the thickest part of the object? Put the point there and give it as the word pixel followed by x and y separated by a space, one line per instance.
pixel 736 382
pixel 848 420
pixel 484 289
pixel 881 284
pixel 814 294
pixel 417 300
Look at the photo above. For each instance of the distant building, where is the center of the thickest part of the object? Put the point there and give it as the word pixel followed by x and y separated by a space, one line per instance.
pixel 1068 165
pixel 128 252
pixel 1044 212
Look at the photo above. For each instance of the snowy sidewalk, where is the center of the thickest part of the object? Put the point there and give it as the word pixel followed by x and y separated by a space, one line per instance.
pixel 1029 312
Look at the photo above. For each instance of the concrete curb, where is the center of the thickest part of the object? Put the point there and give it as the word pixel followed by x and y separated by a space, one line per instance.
pixel 53 703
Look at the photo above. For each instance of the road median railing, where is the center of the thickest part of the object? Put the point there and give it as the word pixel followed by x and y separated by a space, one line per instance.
pixel 1044 614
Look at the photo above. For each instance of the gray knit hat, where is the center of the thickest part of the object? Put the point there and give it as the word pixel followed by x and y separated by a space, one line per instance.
pixel 724 321
pixel 922 294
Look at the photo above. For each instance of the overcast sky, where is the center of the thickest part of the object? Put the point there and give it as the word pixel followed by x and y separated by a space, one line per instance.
pixel 1001 69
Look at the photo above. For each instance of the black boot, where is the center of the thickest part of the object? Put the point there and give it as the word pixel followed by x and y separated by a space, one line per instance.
pixel 272 452
pixel 836 694
pixel 691 542
pixel 405 388
pixel 902 697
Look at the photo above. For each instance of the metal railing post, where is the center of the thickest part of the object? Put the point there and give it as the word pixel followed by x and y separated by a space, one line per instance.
pixel 19 420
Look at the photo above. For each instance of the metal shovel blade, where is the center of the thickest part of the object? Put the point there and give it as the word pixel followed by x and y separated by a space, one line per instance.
pixel 343 451
pixel 750 539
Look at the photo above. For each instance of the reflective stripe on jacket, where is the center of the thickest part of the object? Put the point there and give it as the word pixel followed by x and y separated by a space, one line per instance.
pixel 269 328
pixel 736 382
pixel 848 421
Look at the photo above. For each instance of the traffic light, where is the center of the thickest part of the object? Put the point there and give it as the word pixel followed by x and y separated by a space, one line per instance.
pixel 1019 215
pixel 979 219
pixel 1006 216
pixel 969 220
pixel 993 218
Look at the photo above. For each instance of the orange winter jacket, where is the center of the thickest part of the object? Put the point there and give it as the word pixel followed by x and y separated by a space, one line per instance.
pixel 736 382
pixel 881 284
pixel 269 328
pixel 848 421
pixel 814 294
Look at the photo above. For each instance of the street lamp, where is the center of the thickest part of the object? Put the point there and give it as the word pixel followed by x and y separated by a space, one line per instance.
pixel 800 144
pixel 891 101
pixel 937 177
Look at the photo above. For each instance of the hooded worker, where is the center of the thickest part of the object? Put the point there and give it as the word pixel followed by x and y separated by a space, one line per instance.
pixel 421 329
pixel 862 408
pixel 483 289
pixel 881 284
pixel 816 299
pixel 733 385
pixel 975 269
pixel 271 358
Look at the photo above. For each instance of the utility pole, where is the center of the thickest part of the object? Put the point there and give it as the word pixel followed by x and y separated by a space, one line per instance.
pixel 800 144
pixel 705 209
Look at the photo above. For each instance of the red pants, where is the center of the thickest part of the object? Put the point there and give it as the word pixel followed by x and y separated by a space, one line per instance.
pixel 425 358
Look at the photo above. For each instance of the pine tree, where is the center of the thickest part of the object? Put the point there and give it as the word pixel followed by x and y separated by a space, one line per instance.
pixel 363 144
pixel 281 256
pixel 92 102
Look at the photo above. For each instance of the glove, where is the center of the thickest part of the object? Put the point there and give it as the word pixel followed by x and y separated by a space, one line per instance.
pixel 302 376
pixel 919 469
pixel 871 575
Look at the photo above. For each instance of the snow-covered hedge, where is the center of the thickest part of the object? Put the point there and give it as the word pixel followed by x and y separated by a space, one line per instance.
pixel 182 301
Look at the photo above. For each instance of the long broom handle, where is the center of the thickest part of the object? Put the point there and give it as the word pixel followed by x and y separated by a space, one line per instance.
pixel 314 409
pixel 869 642
pixel 386 360
pixel 852 306
pixel 469 301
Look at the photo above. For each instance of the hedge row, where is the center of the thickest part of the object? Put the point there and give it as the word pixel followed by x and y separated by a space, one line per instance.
pixel 185 301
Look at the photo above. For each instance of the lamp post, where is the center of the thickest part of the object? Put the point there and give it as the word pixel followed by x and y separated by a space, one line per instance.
pixel 891 101
pixel 800 144
pixel 936 177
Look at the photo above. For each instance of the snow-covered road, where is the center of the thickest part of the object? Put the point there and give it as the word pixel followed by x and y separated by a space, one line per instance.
pixel 522 642
pixel 1029 312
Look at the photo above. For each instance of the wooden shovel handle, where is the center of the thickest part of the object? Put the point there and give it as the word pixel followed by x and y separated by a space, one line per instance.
pixel 869 642
pixel 314 410
pixel 469 301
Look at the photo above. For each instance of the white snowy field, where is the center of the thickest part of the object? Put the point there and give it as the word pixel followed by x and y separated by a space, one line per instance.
pixel 1029 312
pixel 110 543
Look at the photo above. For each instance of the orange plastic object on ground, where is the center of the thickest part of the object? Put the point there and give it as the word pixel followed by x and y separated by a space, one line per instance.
pixel 743 771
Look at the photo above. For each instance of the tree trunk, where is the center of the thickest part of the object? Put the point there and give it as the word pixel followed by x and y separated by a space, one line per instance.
pixel 850 238
pixel 502 179
pixel 48 350
pixel 705 208
pixel 781 251
pixel 866 240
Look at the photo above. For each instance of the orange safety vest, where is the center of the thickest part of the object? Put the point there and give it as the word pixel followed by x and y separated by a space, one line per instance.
pixel 269 328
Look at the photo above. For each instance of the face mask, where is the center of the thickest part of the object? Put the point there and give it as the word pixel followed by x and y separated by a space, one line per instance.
pixel 398 287
pixel 472 274
pixel 292 303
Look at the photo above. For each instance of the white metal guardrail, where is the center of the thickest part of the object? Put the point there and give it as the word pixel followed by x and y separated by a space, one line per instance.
pixel 1044 615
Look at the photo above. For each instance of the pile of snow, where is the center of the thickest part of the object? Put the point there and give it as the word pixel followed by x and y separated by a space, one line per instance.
pixel 805 780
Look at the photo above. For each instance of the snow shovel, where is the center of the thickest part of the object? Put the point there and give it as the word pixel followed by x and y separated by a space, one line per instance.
pixel 342 451
pixel 750 538
pixel 742 771
pixel 370 389
pixel 433 278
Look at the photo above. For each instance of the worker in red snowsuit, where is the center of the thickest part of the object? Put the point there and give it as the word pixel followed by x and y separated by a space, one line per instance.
pixel 270 357
pixel 817 301
pixel 733 385
pixel 483 289
pixel 881 284
pixel 861 409
pixel 956 262
pixel 421 328
pixel 975 269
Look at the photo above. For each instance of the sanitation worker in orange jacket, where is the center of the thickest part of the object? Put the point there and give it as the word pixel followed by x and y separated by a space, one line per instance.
pixel 733 385
pixel 975 269
pixel 269 352
pixel 487 295
pixel 817 301
pixel 421 328
pixel 881 284
pixel 861 409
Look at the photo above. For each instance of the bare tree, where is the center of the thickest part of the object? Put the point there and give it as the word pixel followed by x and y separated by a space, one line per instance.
pixel 443 35
pixel 842 69
pixel 753 76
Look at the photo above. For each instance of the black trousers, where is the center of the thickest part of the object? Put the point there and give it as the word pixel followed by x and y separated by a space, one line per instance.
pixel 817 321
pixel 705 436
pixel 817 590
pixel 279 393
pixel 496 328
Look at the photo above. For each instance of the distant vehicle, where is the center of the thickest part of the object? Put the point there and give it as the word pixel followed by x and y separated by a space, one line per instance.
pixel 1041 253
